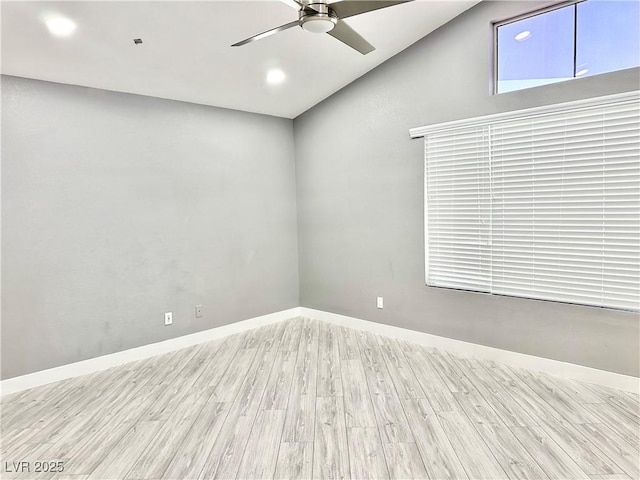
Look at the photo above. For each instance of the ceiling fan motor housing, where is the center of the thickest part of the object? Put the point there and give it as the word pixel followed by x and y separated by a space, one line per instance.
pixel 318 18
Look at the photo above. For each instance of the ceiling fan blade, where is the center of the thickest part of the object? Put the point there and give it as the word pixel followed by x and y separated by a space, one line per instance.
pixel 268 33
pixel 350 37
pixel 350 8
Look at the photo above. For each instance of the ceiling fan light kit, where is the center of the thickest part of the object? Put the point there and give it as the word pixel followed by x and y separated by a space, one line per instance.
pixel 324 17
pixel 321 19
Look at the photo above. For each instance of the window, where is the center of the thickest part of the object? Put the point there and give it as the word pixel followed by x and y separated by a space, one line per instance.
pixel 582 39
pixel 542 203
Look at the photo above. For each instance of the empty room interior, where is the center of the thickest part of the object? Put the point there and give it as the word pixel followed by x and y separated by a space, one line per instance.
pixel 356 239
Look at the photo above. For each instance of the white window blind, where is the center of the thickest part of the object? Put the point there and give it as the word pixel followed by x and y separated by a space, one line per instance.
pixel 541 205
pixel 459 209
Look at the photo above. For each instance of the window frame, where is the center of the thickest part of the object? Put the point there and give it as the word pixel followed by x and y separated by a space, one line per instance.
pixel 523 16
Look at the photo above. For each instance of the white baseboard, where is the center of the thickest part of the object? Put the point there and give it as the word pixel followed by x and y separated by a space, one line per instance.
pixel 522 360
pixel 104 362
pixel 554 367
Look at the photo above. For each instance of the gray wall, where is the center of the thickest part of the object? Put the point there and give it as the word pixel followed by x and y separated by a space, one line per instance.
pixel 117 208
pixel 360 201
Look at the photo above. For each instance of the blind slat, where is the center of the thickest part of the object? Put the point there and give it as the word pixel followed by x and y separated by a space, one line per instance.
pixel 543 207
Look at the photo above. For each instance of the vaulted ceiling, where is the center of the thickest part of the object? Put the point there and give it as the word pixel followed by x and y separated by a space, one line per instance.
pixel 186 55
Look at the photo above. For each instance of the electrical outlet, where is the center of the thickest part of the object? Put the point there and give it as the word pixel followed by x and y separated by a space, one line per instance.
pixel 168 318
pixel 380 302
pixel 198 311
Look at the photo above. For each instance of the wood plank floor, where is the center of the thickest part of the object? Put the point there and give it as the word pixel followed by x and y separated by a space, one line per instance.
pixel 303 399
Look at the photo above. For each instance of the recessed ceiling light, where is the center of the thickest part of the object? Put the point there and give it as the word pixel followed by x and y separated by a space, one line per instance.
pixel 582 72
pixel 275 76
pixel 523 35
pixel 60 26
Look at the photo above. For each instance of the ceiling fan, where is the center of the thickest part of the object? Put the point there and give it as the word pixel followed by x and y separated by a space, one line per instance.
pixel 323 17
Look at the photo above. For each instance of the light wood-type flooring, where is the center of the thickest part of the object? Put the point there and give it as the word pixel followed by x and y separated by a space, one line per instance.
pixel 307 399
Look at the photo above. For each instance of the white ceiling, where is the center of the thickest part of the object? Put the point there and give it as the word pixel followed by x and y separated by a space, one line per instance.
pixel 186 54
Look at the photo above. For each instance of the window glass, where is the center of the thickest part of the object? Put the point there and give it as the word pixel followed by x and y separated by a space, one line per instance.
pixel 608 36
pixel 536 51
pixel 581 39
